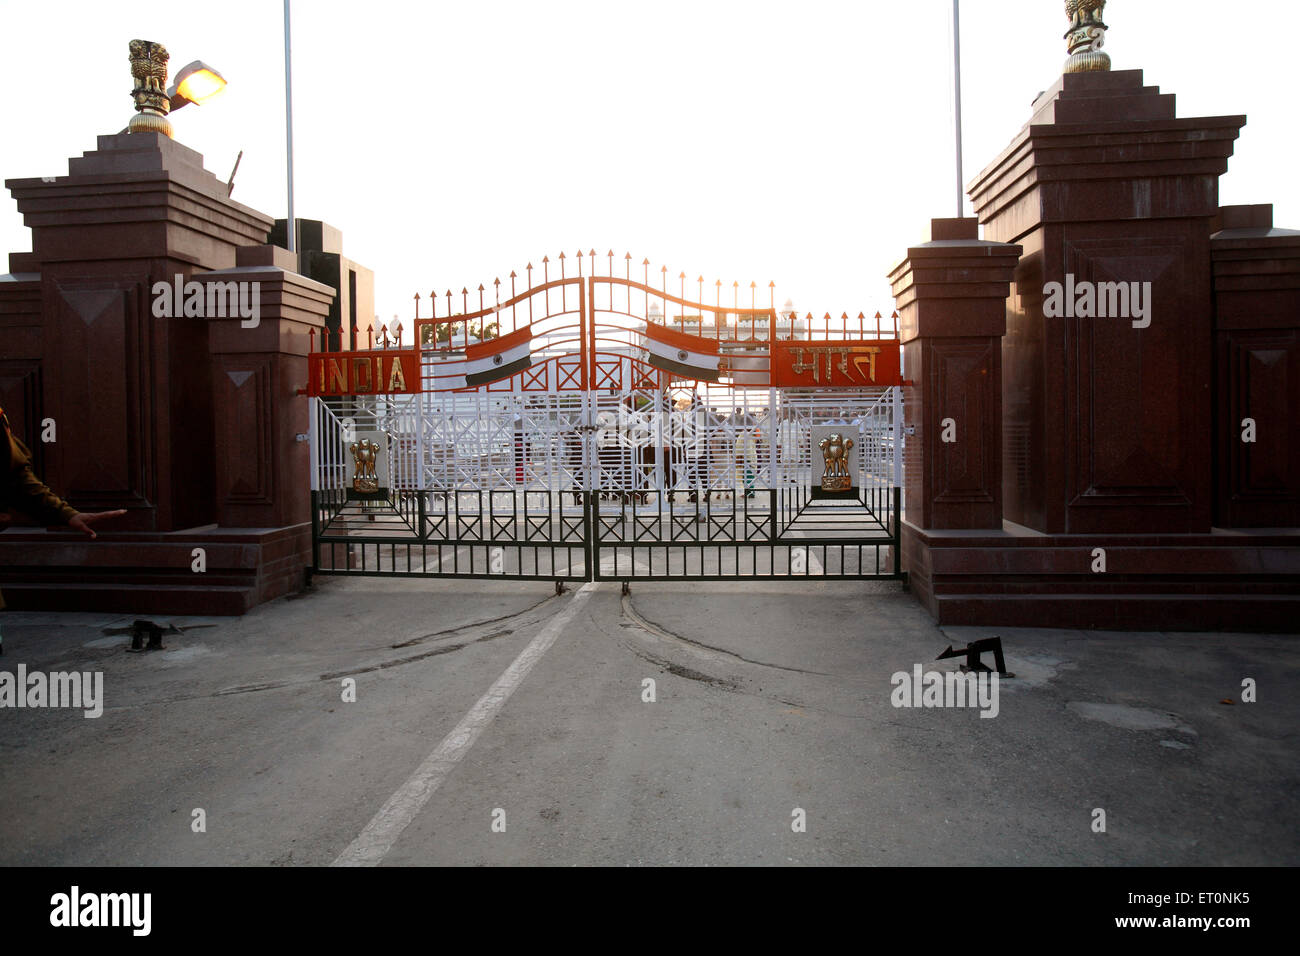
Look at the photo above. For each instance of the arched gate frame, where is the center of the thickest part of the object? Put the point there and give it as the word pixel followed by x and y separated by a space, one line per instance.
pixel 606 429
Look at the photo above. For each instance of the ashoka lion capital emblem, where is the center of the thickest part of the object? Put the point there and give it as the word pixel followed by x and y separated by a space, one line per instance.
pixel 364 479
pixel 835 450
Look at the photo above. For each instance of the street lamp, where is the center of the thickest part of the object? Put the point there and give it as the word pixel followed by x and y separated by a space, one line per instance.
pixel 195 83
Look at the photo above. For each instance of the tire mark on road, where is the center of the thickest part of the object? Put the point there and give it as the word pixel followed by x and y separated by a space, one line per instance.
pixel 658 631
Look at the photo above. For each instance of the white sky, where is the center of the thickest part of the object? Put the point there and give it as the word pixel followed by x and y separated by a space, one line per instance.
pixel 807 143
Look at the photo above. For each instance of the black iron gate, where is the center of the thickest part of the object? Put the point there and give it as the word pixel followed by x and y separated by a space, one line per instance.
pixel 581 460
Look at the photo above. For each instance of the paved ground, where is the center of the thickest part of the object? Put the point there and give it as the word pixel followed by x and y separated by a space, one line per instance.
pixel 769 698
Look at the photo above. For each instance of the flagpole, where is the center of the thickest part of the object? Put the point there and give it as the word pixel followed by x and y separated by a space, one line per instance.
pixel 956 82
pixel 291 226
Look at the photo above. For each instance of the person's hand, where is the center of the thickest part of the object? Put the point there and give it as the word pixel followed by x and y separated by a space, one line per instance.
pixel 82 522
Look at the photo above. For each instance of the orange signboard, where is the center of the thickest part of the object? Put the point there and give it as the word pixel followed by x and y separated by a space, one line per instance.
pixel 851 363
pixel 372 372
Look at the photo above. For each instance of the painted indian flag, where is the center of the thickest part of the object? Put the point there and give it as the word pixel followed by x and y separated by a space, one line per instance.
pixel 680 354
pixel 491 361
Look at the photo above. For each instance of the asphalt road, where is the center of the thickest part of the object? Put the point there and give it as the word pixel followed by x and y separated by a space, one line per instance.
pixel 772 706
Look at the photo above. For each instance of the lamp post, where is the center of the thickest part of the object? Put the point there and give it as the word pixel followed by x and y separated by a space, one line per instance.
pixel 956 94
pixel 291 226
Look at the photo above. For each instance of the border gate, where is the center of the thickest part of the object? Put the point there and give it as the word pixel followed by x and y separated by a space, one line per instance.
pixel 594 427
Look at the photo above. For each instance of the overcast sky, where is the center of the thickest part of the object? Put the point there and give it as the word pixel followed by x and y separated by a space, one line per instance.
pixel 807 143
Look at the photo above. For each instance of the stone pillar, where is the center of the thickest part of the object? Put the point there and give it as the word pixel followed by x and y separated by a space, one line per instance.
pixel 187 421
pixel 1257 358
pixel 130 391
pixel 951 299
pixel 1107 422
pixel 262 469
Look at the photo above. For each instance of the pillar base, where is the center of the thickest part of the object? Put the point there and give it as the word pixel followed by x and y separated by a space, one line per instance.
pixel 1220 581
pixel 152 573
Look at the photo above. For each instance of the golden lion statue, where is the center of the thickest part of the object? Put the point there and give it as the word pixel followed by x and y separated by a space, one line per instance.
pixel 363 459
pixel 835 452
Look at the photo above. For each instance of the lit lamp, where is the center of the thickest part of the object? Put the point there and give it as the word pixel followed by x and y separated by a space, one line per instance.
pixel 196 83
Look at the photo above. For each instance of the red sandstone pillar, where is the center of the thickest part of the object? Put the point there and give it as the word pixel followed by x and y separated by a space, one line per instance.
pixel 262 469
pixel 951 299
pixel 130 392
pixel 1107 422
pixel 1257 358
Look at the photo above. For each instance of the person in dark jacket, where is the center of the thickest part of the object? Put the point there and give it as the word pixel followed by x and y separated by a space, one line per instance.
pixel 21 491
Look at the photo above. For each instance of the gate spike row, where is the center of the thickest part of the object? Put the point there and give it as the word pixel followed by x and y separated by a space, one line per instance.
pixel 972 653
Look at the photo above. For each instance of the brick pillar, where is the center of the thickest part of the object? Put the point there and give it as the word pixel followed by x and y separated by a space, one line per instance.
pixel 951 299
pixel 262 476
pixel 1257 357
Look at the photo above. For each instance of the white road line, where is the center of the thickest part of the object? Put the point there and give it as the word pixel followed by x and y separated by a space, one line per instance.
pixel 379 835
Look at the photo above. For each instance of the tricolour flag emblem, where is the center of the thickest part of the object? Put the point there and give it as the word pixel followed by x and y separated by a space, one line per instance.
pixel 498 358
pixel 680 354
